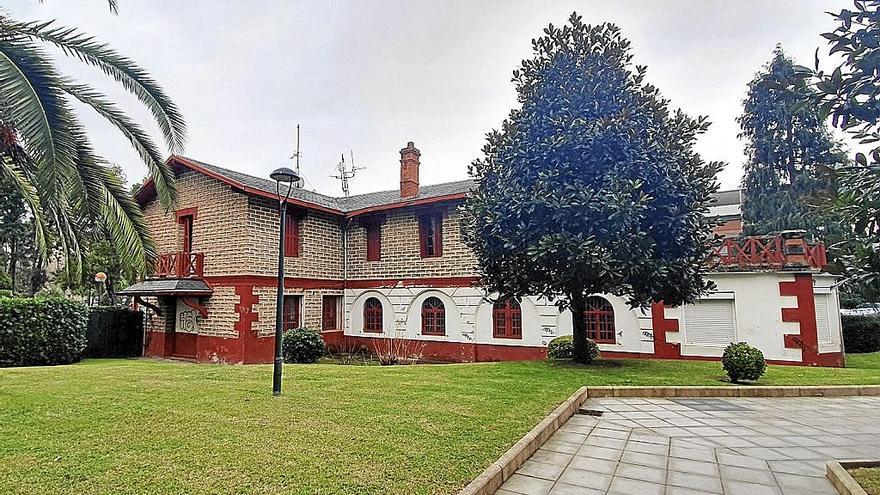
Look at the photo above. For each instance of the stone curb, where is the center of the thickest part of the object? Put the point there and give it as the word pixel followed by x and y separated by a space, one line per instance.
pixel 495 475
pixel 839 476
pixel 735 391
pixel 499 471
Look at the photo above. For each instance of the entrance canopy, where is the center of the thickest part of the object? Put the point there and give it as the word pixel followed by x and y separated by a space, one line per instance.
pixel 183 287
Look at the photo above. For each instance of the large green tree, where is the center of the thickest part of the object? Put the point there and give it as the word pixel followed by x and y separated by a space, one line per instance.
pixel 591 185
pixel 789 151
pixel 850 95
pixel 46 151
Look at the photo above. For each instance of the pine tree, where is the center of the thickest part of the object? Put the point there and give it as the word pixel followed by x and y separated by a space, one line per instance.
pixel 788 146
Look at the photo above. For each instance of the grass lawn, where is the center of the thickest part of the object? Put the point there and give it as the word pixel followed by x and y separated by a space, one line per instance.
pixel 142 426
pixel 869 478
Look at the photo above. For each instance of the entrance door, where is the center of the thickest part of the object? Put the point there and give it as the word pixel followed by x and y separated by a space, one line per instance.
pixel 183 340
pixel 330 313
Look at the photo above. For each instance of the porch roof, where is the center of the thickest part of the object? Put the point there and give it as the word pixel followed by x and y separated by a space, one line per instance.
pixel 169 287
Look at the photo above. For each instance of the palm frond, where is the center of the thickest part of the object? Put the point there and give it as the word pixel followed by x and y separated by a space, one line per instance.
pixel 124 70
pixel 23 184
pixel 114 6
pixel 29 86
pixel 111 203
pixel 162 174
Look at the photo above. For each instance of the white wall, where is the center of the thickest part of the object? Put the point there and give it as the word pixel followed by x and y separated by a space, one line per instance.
pixel 755 297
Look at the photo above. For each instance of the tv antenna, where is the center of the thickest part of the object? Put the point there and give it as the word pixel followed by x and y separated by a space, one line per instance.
pixel 346 171
pixel 297 153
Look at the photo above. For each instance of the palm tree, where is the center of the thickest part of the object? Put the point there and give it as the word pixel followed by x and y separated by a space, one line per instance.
pixel 45 150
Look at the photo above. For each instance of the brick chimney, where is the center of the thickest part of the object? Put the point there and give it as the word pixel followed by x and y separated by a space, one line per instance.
pixel 409 171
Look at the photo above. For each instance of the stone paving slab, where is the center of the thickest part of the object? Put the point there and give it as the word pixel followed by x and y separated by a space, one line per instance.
pixel 729 446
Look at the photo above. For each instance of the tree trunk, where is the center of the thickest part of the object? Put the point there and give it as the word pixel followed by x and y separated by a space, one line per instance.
pixel 580 351
pixel 13 262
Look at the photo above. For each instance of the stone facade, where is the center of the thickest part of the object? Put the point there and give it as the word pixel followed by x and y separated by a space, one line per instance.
pixel 400 254
pixel 220 219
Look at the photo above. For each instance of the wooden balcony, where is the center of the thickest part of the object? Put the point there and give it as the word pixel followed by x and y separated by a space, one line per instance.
pixel 788 250
pixel 180 265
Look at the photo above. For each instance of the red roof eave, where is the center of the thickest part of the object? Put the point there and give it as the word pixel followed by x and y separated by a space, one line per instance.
pixel 148 191
pixel 405 204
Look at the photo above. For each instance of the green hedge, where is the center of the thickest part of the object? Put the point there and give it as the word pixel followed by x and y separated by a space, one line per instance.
pixel 41 331
pixel 861 333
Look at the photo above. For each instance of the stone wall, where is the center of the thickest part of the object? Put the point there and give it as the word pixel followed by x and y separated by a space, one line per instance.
pixel 401 257
pixel 218 227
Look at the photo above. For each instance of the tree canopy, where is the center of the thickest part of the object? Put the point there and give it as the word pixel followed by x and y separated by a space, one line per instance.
pixel 850 95
pixel 789 148
pixel 591 185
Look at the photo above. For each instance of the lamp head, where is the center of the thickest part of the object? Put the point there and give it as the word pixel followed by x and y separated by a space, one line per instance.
pixel 285 175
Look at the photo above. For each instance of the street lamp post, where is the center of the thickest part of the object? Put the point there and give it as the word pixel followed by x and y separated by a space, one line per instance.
pixel 291 178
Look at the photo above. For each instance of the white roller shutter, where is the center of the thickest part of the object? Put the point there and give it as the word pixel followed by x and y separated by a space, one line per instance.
pixel 823 318
pixel 710 322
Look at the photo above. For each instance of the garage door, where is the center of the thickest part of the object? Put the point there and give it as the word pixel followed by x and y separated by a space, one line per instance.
pixel 710 322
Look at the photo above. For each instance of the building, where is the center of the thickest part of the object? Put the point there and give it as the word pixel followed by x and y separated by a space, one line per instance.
pixel 392 264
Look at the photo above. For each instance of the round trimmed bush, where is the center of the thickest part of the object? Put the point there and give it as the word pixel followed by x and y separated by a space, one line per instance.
pixel 563 347
pixel 301 345
pixel 743 362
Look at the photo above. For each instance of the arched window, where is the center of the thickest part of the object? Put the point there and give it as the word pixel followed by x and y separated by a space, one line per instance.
pixel 507 319
pixel 433 317
pixel 373 315
pixel 599 316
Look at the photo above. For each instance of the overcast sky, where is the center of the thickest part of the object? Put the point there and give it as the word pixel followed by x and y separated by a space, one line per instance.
pixel 369 76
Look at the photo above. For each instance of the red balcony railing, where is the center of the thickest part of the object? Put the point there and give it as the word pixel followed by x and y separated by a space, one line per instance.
pixel 787 250
pixel 180 265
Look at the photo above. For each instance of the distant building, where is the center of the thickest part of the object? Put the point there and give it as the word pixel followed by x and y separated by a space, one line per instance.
pixel 392 264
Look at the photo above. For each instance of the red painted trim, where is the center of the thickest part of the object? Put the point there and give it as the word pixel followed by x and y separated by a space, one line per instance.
pixel 832 359
pixel 323 283
pixel 660 325
pixel 378 283
pixel 148 192
pixel 187 212
pixel 194 304
pixel 272 281
pixel 405 204
pixel 459 352
pixel 804 314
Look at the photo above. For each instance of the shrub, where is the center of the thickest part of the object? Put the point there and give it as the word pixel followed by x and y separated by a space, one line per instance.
pixel 562 348
pixel 41 331
pixel 743 362
pixel 861 333
pixel 301 345
pixel 398 350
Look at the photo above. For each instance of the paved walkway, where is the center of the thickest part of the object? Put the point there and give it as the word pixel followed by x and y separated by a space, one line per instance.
pixel 702 445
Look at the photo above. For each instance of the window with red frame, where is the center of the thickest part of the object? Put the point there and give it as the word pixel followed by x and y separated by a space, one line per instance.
pixel 186 221
pixel 290 316
pixel 372 315
pixel 330 312
pixel 374 241
pixel 599 317
pixel 291 233
pixel 433 317
pixel 431 235
pixel 507 319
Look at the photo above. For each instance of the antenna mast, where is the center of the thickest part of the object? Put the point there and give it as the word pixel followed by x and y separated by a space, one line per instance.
pixel 296 154
pixel 346 172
